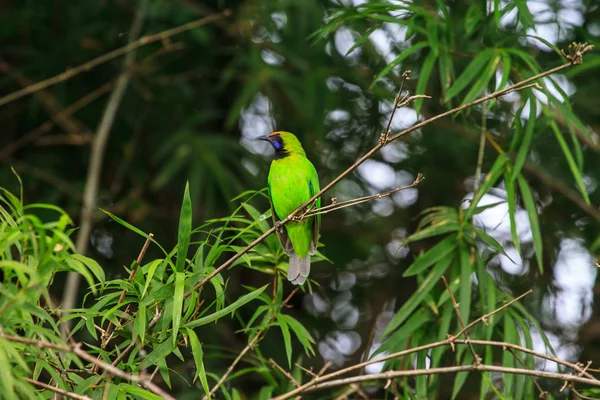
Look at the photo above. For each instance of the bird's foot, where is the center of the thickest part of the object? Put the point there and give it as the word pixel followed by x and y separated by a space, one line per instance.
pixel 278 226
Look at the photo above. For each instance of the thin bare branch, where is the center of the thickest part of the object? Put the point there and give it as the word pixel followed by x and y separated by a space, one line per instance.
pixel 334 206
pixel 285 373
pixel 476 357
pixel 56 389
pixel 76 349
pixel 452 370
pixel 68 74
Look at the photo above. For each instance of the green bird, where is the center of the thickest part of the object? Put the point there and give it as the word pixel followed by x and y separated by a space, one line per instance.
pixel 292 182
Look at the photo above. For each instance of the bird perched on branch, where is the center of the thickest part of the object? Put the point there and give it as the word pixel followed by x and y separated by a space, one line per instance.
pixel 292 182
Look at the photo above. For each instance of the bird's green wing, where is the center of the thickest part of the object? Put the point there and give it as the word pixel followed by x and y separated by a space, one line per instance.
pixel 313 187
pixel 282 234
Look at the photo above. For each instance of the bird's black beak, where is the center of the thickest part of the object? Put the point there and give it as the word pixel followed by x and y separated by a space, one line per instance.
pixel 265 138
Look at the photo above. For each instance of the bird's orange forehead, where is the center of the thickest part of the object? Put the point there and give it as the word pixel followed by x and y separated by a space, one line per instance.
pixel 274 133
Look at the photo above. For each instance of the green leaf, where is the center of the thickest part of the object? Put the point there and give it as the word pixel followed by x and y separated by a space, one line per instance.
pixel 185 229
pixel 301 333
pixel 471 72
pixel 138 392
pixel 533 219
pixel 287 341
pixel 92 265
pixel 489 181
pixel 465 281
pixel 461 377
pixel 405 54
pixel 421 292
pixel 178 303
pixel 133 229
pixel 198 360
pixel 569 157
pixel 151 270
pixel 433 255
pixel 139 325
pixel 482 82
pixel 160 353
pixel 412 324
pixel 424 75
pixel 7 379
pixel 229 309
pixel 511 200
pixel 508 360
pixel 524 148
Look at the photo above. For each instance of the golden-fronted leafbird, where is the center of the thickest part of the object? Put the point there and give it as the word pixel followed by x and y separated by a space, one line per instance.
pixel 292 182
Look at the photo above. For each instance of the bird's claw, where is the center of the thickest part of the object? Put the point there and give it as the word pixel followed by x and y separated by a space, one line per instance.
pixel 278 226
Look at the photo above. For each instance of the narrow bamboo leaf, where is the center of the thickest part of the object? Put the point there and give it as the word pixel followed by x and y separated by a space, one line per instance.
pixel 302 334
pixel 424 75
pixel 466 269
pixel 490 241
pixel 405 54
pixel 422 379
pixel 445 66
pixel 159 353
pixel 287 340
pixel 508 360
pixel 139 325
pixel 138 392
pixel 471 72
pixel 484 79
pixel 421 292
pixel 92 265
pixel 524 148
pixel 185 229
pixel 412 324
pixel 133 229
pixel 531 209
pixel 569 157
pixel 178 303
pixel 511 199
pixel 461 377
pixel 490 179
pixel 362 40
pixel 229 309
pixel 433 255
pixel 437 229
pixel 198 360
pixel 7 379
pixel 506 69
pixel 150 274
pixel 442 333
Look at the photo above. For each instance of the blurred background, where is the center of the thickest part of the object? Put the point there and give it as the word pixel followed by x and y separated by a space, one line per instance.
pixel 195 101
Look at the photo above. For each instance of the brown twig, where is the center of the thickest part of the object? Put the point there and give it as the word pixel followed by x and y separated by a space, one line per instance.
pixel 381 144
pixel 56 389
pixel 97 156
pixel 336 206
pixel 453 369
pixel 131 46
pixel 476 357
pixel 285 373
pixel 107 336
pixel 76 349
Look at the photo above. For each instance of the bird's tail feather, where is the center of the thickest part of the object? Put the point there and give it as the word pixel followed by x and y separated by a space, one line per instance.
pixel 298 269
